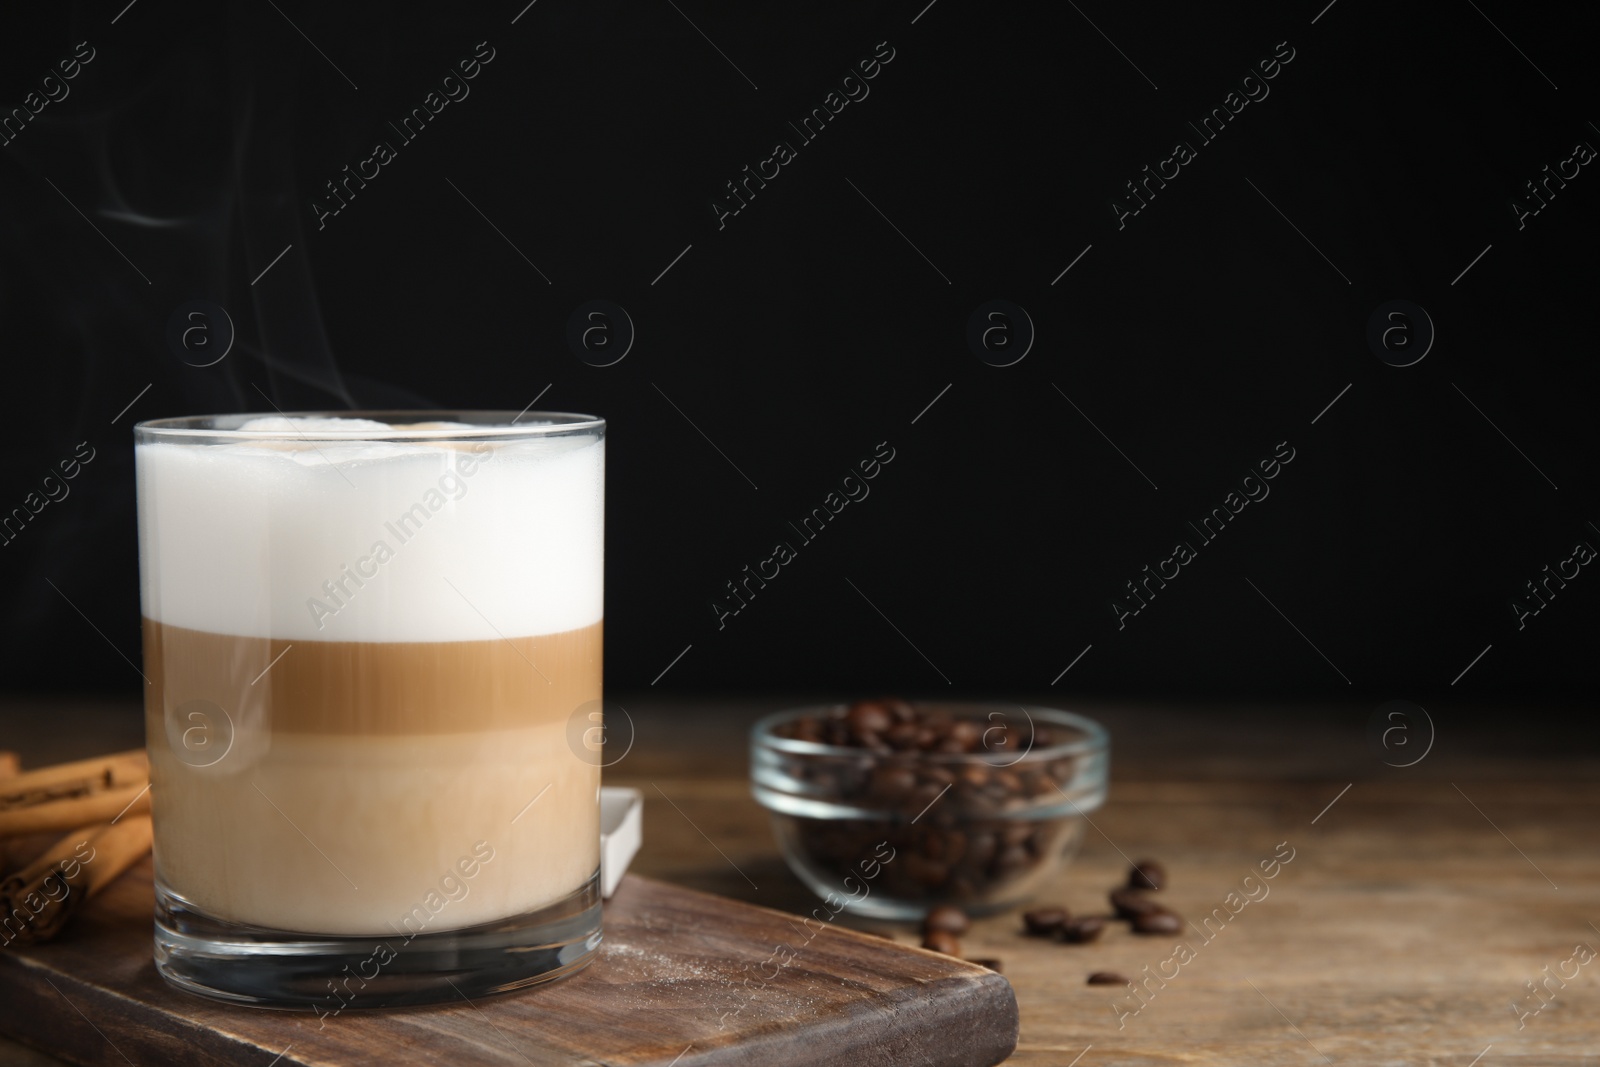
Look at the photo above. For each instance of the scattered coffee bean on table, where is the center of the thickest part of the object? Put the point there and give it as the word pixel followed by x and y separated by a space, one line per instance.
pixel 1082 930
pixel 946 917
pixel 1147 874
pixel 1131 903
pixel 1042 922
pixel 941 941
pixel 1107 978
pixel 1160 921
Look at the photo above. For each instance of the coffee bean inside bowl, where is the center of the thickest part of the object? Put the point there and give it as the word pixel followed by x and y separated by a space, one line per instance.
pixel 952 798
pixel 869 718
pixel 891 723
pixel 901 710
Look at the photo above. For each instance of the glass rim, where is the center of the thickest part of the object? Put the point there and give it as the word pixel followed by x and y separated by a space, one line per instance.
pixel 488 424
pixel 1093 737
pixel 779 781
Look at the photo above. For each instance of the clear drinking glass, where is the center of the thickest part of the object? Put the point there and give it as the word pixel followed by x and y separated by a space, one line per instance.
pixel 373 648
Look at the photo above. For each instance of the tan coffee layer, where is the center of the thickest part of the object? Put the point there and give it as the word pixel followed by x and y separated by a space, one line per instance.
pixel 413 833
pixel 401 687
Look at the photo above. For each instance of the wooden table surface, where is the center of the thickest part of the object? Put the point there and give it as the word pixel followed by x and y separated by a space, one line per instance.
pixel 1421 907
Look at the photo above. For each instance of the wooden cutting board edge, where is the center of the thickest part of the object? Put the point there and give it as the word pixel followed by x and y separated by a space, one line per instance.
pixel 953 1019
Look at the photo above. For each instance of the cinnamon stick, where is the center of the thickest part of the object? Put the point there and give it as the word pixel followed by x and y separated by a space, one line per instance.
pixel 10 767
pixel 39 900
pixel 74 779
pixel 34 902
pixel 55 816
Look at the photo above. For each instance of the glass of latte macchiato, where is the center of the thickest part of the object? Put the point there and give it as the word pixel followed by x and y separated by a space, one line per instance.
pixel 373 648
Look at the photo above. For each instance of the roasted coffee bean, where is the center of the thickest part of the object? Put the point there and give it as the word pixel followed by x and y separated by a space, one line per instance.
pixel 869 717
pixel 991 964
pixel 942 941
pixel 903 736
pixel 925 871
pixel 1035 784
pixel 978 805
pixel 1004 741
pixel 975 775
pixel 981 848
pixel 923 797
pixel 1012 858
pixel 1147 874
pixel 945 846
pixel 892 782
pixel 1160 921
pixel 1107 978
pixel 899 709
pixel 1082 930
pixel 966 732
pixel 1042 922
pixel 807 729
pixel 1130 903
pixel 946 917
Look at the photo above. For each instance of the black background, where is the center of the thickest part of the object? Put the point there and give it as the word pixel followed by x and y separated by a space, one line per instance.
pixel 826 316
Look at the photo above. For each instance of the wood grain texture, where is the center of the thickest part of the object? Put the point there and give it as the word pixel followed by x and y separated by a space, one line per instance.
pixel 669 987
pixel 1401 933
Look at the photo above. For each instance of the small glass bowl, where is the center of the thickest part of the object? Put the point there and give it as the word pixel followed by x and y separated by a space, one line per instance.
pixel 891 834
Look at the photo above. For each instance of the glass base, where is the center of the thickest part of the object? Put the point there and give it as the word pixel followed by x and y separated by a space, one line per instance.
pixel 243 964
pixel 982 866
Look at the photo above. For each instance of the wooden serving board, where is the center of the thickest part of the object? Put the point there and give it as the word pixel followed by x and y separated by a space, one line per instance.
pixel 668 988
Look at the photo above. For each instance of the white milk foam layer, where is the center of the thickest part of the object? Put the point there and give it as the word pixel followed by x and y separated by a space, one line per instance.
pixel 466 540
